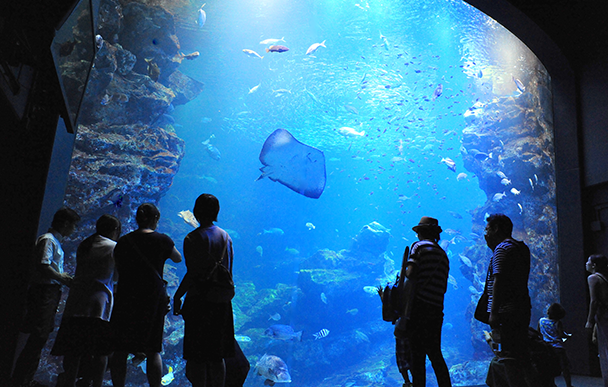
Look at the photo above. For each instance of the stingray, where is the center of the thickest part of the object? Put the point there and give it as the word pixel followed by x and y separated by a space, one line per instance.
pixel 295 165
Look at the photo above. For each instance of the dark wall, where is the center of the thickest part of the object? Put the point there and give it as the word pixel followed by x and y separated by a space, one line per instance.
pixel 572 278
pixel 593 79
pixel 29 151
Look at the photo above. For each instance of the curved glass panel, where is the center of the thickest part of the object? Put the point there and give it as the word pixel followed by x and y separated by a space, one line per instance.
pixel 419 109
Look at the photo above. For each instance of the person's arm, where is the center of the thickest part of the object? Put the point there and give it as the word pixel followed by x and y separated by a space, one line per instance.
pixel 411 265
pixel 45 252
pixel 593 282
pixel 53 274
pixel 496 300
pixel 175 255
pixel 186 284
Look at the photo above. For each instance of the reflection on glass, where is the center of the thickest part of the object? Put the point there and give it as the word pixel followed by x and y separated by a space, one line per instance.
pixel 73 50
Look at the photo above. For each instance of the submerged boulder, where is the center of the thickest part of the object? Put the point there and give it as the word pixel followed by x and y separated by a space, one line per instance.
pixel 372 239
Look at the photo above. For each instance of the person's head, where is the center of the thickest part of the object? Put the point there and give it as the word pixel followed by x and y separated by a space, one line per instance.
pixel 556 312
pixel 64 221
pixel 147 216
pixel 108 226
pixel 206 209
pixel 498 228
pixel 597 263
pixel 428 228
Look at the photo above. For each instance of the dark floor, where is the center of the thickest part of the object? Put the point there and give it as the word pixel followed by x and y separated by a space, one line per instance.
pixel 577 381
pixel 581 381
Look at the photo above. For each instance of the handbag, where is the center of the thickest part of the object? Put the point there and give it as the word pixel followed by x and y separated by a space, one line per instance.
pixel 218 285
pixel 481 311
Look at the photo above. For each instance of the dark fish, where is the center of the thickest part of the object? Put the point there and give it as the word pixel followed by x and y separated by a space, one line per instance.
pixel 213 152
pixel 283 332
pixel 274 369
pixel 437 91
pixel 120 97
pixel 66 48
pixel 277 48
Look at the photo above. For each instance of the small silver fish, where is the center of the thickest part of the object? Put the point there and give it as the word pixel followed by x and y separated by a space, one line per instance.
pixel 254 88
pixel 106 99
pixel 272 41
pixel 201 17
pixel 324 298
pixel 242 338
pixel 252 53
pixel 520 86
pixel 314 47
pixel 498 196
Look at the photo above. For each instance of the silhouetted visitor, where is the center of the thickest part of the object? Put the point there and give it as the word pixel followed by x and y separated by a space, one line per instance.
pixel 43 295
pixel 84 335
pixel 141 300
pixel 597 265
pixel 428 267
pixel 553 333
pixel 507 286
pixel 209 327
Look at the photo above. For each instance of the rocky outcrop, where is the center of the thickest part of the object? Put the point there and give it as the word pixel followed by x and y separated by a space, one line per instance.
pixel 508 144
pixel 126 151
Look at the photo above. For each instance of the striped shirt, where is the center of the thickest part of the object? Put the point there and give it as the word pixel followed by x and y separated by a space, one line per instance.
pixel 432 269
pixel 511 260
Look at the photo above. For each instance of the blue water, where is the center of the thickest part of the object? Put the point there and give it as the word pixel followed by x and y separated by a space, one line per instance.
pixel 378 73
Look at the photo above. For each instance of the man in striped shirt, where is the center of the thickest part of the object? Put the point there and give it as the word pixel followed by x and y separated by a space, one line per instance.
pixel 428 266
pixel 507 287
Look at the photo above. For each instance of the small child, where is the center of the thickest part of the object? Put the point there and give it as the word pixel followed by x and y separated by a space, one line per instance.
pixel 553 333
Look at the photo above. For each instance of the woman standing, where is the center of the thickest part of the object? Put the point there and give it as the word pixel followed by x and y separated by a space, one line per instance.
pixel 141 300
pixel 209 328
pixel 597 265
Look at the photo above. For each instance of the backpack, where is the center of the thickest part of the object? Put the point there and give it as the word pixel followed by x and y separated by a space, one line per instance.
pixel 218 286
pixel 542 355
pixel 395 297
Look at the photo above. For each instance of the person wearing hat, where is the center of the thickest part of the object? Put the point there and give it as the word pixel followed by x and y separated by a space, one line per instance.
pixel 428 266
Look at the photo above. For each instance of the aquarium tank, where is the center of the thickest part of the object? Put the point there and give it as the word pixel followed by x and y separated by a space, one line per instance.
pixel 327 129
